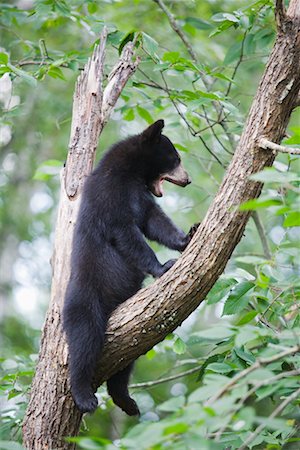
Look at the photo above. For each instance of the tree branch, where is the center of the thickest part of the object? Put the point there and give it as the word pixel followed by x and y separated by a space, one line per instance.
pixel 148 384
pixel 268 145
pixel 262 234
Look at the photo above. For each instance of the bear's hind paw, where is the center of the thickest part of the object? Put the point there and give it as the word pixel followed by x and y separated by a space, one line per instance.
pixel 87 404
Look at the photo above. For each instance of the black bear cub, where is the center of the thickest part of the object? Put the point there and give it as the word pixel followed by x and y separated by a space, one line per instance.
pixel 110 257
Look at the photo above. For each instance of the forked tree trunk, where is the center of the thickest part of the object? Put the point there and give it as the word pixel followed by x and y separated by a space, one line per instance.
pixel 51 414
pixel 152 313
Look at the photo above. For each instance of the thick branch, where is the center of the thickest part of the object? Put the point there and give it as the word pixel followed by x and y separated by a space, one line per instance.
pixel 268 145
pixel 149 316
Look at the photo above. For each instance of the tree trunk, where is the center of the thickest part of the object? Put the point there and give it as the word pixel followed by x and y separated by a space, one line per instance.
pixel 154 312
pixel 51 414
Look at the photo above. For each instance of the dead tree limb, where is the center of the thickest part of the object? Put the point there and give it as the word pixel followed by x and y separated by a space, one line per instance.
pixel 51 414
pixel 150 315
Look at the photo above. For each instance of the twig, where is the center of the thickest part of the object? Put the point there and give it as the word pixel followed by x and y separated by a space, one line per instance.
pixel 268 145
pixel 191 129
pixel 32 62
pixel 177 30
pixel 43 50
pixel 256 365
pixel 164 380
pixel 275 299
pixel 262 235
pixel 280 14
pixel 214 133
pixel 237 64
pixel 275 413
pixel 207 84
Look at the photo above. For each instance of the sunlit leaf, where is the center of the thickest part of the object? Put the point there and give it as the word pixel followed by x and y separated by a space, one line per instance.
pixel 237 300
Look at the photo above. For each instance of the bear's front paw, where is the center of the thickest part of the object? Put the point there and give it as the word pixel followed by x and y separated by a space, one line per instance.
pixel 167 266
pixel 193 230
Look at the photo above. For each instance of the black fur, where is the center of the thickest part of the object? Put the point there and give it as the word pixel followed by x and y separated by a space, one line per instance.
pixel 110 257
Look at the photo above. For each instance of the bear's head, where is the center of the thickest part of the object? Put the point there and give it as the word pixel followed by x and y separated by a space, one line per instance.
pixel 164 160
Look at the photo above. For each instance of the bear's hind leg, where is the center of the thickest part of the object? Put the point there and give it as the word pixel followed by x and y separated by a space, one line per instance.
pixel 117 387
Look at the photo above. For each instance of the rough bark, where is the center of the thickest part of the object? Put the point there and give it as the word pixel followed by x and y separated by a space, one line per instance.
pixel 51 414
pixel 149 316
pixel 154 312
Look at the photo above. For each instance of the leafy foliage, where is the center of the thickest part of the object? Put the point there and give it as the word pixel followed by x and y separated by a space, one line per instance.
pixel 235 361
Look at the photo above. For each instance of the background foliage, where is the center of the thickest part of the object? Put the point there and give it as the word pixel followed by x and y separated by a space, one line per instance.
pixel 229 376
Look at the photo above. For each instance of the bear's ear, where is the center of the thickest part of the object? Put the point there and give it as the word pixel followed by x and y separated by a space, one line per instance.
pixel 153 132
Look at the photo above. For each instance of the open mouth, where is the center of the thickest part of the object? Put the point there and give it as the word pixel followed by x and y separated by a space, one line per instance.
pixel 157 187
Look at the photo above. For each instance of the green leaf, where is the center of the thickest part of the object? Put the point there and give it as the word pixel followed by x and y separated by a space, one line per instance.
pixel 245 356
pixel 271 175
pixel 129 115
pixel 219 367
pixel 151 354
pixel 3 58
pixel 220 290
pixel 24 75
pixel 292 219
pixel 90 443
pixel 210 359
pixel 56 72
pixel 150 46
pixel 222 17
pixel 249 44
pixel 181 148
pixel 172 57
pixel 216 333
pixel 92 7
pixel 246 318
pixel 258 203
pixel 179 346
pixel 47 169
pixel 144 114
pixel 4 69
pixel 233 53
pixel 200 24
pixel 250 259
pixel 127 38
pixel 222 77
pixel 223 27
pixel 237 299
pixel 177 428
pixel 213 96
pixel 173 404
pixel 245 335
